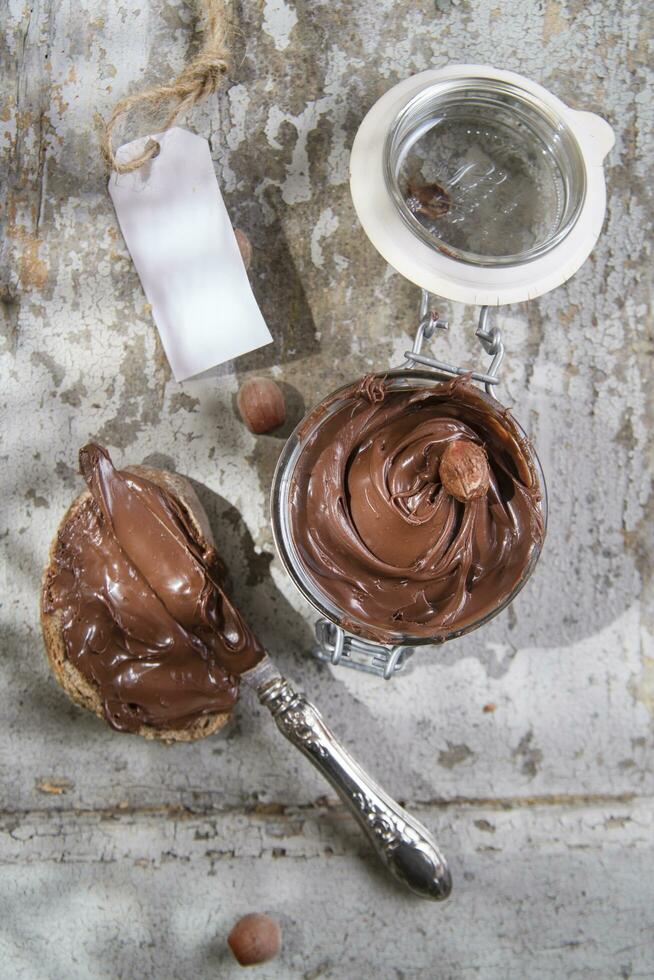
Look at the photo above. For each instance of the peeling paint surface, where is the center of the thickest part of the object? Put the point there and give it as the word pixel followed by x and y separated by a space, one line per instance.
pixel 527 746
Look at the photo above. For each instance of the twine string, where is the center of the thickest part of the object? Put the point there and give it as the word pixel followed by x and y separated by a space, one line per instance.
pixel 198 79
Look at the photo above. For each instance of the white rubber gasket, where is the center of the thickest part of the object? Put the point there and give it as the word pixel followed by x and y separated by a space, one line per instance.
pixel 449 277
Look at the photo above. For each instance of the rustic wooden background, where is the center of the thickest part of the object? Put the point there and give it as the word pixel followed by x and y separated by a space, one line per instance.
pixel 527 746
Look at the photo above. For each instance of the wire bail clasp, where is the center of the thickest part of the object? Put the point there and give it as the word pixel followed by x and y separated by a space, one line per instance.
pixel 490 339
pixel 335 646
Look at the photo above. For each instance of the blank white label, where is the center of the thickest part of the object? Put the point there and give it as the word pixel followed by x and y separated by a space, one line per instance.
pixel 178 232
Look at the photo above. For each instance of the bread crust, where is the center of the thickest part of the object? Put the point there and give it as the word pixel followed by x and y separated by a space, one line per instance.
pixel 83 692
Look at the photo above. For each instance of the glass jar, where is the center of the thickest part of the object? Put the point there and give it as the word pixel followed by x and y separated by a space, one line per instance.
pixel 281 504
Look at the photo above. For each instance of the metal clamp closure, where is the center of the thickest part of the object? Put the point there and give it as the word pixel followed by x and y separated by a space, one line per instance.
pixel 335 646
pixel 490 339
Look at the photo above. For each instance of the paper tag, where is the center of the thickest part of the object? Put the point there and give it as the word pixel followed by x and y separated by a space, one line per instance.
pixel 178 232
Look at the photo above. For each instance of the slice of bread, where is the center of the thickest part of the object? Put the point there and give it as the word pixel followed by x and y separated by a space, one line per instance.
pixel 76 686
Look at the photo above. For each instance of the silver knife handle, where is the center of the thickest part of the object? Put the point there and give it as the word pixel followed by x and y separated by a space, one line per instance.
pixel 406 847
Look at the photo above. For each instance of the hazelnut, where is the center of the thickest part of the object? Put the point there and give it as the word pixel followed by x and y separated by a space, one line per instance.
pixel 256 938
pixel 261 404
pixel 464 470
pixel 430 200
pixel 244 247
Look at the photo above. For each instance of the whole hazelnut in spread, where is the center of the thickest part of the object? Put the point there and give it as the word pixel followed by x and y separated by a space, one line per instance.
pixel 464 470
pixel 261 404
pixel 256 938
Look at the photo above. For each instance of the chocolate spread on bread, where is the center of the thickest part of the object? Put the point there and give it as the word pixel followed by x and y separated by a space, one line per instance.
pixel 145 615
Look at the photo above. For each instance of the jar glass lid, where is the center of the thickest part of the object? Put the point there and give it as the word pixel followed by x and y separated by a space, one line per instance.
pixel 478 184
pixel 484 173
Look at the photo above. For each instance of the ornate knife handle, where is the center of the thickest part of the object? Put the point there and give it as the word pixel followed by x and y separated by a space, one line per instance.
pixel 403 844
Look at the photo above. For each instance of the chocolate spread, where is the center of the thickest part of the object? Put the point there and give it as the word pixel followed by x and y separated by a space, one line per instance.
pixel 378 533
pixel 145 616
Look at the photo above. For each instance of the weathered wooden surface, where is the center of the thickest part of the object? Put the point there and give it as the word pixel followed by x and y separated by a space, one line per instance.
pixel 125 858
pixel 543 891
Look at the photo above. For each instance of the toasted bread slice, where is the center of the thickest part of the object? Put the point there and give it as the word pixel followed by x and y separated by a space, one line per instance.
pixel 76 686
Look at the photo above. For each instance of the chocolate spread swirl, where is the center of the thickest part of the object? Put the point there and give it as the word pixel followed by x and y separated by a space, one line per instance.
pixel 378 533
pixel 145 615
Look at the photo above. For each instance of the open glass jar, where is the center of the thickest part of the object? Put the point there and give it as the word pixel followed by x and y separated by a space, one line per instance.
pixel 289 479
pixel 482 187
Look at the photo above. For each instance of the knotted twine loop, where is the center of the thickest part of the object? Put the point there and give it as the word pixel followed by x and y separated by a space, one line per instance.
pixel 201 77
